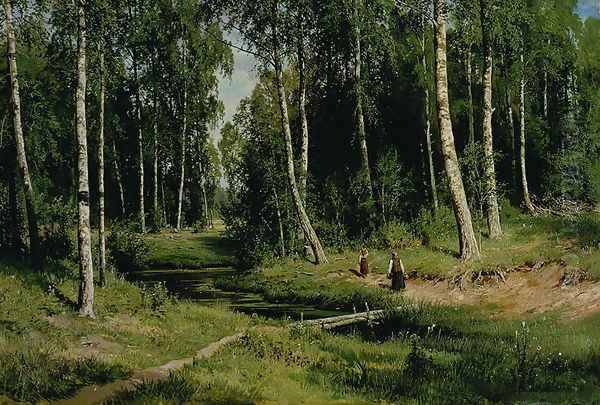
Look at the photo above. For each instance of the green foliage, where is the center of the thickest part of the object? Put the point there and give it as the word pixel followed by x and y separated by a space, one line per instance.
pixel 128 249
pixel 396 235
pixel 155 296
pixel 58 220
pixel 435 226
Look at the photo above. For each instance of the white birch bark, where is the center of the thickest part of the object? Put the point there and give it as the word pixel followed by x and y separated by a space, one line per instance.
pixel 101 225
pixel 15 100
pixel 86 272
pixel 468 242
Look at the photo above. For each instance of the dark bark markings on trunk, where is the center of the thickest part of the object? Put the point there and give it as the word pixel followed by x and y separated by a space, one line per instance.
pixel 86 272
pixel 468 242
pixel 490 192
pixel 15 99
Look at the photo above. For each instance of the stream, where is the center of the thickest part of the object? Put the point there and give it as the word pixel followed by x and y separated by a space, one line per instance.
pixel 197 286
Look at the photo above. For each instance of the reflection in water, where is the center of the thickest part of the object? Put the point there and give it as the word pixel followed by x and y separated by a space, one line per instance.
pixel 197 285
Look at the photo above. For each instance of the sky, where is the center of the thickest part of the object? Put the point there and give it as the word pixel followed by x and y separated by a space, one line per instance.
pixel 243 79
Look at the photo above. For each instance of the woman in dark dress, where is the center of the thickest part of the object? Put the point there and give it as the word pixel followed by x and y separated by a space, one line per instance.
pixel 363 263
pixel 396 273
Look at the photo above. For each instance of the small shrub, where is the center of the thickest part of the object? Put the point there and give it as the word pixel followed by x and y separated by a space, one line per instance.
pixel 128 249
pixel 433 227
pixel 200 226
pixel 396 235
pixel 155 296
pixel 333 234
pixel 57 219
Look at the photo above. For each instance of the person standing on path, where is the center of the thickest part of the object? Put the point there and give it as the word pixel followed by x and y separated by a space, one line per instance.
pixel 363 263
pixel 396 272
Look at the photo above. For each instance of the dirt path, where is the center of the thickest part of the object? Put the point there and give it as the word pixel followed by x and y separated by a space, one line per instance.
pixel 522 293
pixel 97 394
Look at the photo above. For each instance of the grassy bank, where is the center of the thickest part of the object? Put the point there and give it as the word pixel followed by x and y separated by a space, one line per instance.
pixel 188 250
pixel 526 240
pixel 419 355
pixel 47 351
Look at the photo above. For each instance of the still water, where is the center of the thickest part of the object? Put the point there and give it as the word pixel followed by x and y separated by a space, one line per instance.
pixel 197 285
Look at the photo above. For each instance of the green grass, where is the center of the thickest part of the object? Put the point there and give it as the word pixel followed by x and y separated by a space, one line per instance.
pixel 127 334
pixel 526 240
pixel 187 250
pixel 464 358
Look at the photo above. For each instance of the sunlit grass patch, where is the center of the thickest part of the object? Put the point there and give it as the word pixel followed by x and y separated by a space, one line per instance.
pixel 187 250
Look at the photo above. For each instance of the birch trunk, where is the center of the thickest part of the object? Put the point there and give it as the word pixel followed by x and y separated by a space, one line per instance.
pixel 545 95
pixel 491 195
pixel 203 187
pixel 183 148
pixel 468 242
pixel 101 226
pixel 432 182
pixel 15 98
pixel 522 160
pixel 140 140
pixel 511 130
pixel 118 177
pixel 309 232
pixel 86 271
pixel 360 119
pixel 155 199
pixel 279 222
pixel 471 112
pixel 303 120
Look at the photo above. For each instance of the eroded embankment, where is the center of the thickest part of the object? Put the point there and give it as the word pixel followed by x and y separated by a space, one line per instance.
pixel 524 290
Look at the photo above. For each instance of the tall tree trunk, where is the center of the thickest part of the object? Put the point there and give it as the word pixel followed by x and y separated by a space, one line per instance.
pixel 303 120
pixel 432 182
pixel 164 201
pixel 101 233
pixel 86 271
pixel 545 95
pixel 524 186
pixel 118 177
pixel 279 221
pixel 468 243
pixel 203 187
pixel 155 199
pixel 491 194
pixel 471 138
pixel 360 119
pixel 16 241
pixel 309 232
pixel 183 148
pixel 513 143
pixel 140 140
pixel 15 99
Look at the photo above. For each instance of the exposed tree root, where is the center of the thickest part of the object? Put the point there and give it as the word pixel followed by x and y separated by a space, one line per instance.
pixel 572 277
pixel 485 276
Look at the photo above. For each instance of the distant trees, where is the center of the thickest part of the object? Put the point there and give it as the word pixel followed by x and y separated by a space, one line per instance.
pixel 336 144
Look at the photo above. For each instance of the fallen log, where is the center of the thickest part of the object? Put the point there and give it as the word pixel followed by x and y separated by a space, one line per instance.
pixel 343 320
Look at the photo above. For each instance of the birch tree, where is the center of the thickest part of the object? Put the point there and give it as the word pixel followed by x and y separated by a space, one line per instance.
pixel 101 225
pixel 491 195
pixel 86 272
pixel 466 235
pixel 15 99
pixel 359 114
